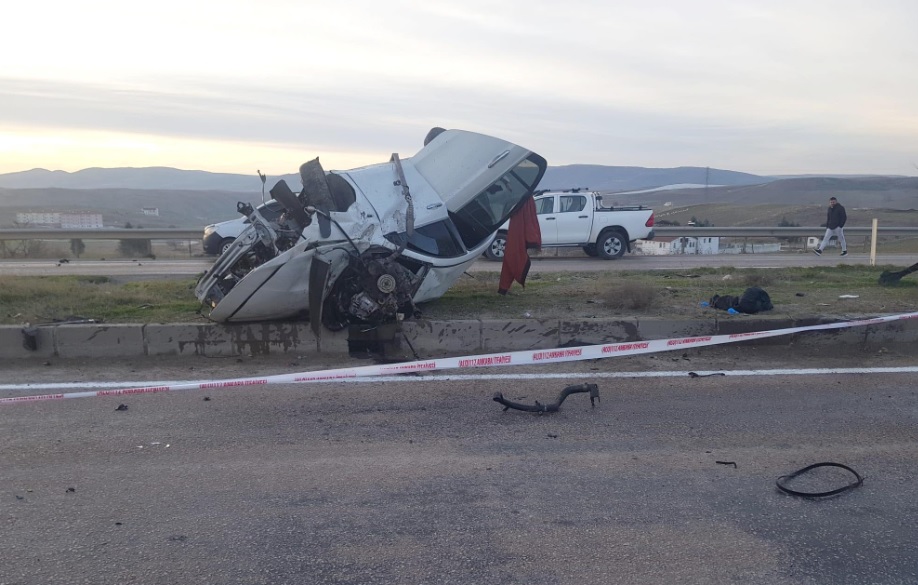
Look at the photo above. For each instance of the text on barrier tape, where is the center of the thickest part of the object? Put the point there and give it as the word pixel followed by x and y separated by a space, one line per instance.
pixel 514 358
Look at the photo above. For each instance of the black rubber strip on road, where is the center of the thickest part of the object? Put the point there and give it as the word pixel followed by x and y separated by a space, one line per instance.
pixel 785 478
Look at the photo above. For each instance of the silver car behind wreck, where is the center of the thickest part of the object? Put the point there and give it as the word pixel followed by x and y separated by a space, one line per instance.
pixel 367 245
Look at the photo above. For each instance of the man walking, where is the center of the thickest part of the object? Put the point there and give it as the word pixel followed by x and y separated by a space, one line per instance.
pixel 835 223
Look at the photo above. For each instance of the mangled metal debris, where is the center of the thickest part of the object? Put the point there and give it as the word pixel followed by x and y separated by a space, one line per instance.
pixel 366 245
pixel 538 407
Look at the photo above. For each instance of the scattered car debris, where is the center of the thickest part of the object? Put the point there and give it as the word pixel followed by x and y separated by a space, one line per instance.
pixel 364 246
pixel 849 296
pixel 753 300
pixel 733 463
pixel 122 407
pixel 887 278
pixel 782 481
pixel 800 294
pixel 538 407
pixel 71 490
pixel 697 375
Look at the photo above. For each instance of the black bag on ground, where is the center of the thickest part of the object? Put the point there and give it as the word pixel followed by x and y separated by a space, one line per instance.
pixel 724 302
pixel 754 300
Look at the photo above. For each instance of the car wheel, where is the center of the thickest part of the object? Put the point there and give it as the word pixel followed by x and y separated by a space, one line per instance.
pixel 611 245
pixel 590 250
pixel 225 243
pixel 496 250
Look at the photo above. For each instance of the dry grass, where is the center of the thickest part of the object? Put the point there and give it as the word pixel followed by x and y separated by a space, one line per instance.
pixel 795 292
pixel 632 296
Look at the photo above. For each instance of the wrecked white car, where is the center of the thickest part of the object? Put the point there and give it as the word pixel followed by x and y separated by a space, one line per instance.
pixel 367 245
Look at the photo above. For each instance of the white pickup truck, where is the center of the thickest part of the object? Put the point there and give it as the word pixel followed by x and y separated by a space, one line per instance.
pixel 577 217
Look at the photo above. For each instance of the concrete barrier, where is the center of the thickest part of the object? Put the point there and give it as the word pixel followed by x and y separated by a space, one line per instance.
pixel 410 339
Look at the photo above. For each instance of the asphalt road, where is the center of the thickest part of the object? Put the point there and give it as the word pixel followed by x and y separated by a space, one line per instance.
pixel 667 480
pixel 572 263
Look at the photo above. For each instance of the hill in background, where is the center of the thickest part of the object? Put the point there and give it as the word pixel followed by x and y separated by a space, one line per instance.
pixel 865 192
pixel 188 199
pixel 607 178
pixel 597 177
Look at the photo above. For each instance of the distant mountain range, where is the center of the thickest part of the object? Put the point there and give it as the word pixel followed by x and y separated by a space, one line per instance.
pixel 195 198
pixel 597 177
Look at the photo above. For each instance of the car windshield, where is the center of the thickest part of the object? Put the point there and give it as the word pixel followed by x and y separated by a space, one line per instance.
pixel 481 216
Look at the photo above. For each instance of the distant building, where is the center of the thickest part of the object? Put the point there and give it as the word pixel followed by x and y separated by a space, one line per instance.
pixel 81 221
pixel 68 221
pixel 39 219
pixel 150 210
pixel 709 245
pixel 668 245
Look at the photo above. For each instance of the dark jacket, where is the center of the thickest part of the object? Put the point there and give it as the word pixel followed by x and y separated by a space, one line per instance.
pixel 836 217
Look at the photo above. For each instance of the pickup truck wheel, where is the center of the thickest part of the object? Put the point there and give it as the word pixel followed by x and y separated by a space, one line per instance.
pixel 590 250
pixel 496 250
pixel 225 243
pixel 611 245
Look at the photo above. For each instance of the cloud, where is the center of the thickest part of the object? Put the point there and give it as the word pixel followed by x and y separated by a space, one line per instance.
pixel 762 87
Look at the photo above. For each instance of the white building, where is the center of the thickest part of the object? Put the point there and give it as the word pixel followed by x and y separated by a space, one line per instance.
pixel 69 221
pixel 39 219
pixel 81 221
pixel 667 245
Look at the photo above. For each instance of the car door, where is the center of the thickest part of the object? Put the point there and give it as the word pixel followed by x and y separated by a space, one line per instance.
pixel 545 211
pixel 573 219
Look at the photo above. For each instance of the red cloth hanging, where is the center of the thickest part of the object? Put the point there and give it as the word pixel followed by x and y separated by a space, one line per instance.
pixel 523 234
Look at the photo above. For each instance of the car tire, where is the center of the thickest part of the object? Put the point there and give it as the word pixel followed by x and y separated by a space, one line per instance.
pixel 590 250
pixel 495 251
pixel 611 245
pixel 225 243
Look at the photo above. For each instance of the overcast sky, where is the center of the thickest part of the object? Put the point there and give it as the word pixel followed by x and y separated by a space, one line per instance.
pixel 761 86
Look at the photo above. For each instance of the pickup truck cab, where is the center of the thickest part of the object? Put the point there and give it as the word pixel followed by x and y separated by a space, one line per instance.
pixel 577 217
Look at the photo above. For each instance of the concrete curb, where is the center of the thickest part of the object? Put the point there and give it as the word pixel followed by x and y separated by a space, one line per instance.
pixel 422 338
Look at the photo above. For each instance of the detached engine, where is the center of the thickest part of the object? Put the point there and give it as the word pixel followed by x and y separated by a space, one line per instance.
pixel 374 288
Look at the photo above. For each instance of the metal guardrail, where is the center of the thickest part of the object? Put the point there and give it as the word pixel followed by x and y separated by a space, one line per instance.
pixel 777 232
pixel 675 231
pixel 102 234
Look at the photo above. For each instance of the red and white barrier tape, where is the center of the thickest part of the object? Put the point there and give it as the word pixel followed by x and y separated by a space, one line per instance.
pixel 513 358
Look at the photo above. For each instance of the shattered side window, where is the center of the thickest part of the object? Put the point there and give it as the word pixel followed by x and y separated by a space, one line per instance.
pixel 481 216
